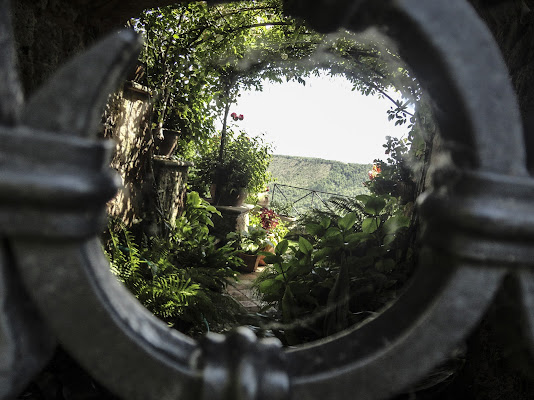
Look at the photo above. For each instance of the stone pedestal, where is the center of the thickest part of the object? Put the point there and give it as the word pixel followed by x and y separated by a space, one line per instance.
pixel 234 219
pixel 170 179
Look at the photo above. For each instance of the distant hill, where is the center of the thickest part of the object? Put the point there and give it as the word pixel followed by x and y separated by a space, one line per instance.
pixel 316 174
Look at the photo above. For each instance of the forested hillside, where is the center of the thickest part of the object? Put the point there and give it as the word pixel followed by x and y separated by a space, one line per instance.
pixel 316 174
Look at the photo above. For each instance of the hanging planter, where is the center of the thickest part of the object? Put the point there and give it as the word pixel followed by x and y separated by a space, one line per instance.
pixel 242 170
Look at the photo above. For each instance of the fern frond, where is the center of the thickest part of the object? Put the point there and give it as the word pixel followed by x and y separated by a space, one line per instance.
pixel 345 205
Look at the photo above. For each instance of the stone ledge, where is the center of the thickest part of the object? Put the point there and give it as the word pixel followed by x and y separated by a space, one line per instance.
pixel 234 219
pixel 136 87
pixel 168 162
pixel 245 208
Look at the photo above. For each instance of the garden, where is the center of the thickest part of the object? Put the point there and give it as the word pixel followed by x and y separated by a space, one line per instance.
pixel 331 268
pixel 319 273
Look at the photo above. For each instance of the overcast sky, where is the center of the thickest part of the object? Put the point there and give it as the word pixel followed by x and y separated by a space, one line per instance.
pixel 323 119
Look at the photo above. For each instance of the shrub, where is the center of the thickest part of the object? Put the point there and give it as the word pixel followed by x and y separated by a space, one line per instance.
pixel 269 220
pixel 339 270
pixel 180 279
pixel 244 165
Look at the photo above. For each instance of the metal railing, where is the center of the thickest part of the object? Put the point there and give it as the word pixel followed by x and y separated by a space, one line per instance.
pixel 55 283
pixel 310 194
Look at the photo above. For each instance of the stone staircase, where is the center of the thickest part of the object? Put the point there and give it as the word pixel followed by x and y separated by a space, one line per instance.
pixel 242 291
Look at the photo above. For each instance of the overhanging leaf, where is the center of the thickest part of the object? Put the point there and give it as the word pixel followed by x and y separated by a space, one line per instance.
pixel 314 229
pixel 374 205
pixel 281 247
pixel 325 222
pixel 370 225
pixel 357 237
pixel 332 234
pixel 395 223
pixel 348 221
pixel 273 259
pixel 322 253
pixel 305 246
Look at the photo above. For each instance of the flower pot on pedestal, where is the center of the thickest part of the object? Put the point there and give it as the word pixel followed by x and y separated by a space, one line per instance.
pixel 227 197
pixel 165 146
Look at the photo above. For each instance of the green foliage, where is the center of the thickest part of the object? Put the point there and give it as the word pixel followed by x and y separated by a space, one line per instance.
pixel 170 53
pixel 403 173
pixel 251 241
pixel 342 266
pixel 180 279
pixel 346 262
pixel 164 291
pixel 199 58
pixel 244 164
pixel 396 177
pixel 269 220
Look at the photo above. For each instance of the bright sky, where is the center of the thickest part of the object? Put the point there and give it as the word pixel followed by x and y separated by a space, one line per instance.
pixel 323 119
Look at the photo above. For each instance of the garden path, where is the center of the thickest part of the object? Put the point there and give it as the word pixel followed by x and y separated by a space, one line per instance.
pixel 242 291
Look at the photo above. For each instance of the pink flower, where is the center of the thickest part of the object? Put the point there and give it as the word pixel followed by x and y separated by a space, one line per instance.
pixel 236 117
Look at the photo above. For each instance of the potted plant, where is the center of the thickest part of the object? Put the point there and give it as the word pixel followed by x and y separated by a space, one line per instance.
pixel 241 171
pixel 249 245
pixel 166 143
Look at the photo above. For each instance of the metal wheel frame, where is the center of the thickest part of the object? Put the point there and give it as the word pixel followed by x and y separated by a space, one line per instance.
pixel 55 182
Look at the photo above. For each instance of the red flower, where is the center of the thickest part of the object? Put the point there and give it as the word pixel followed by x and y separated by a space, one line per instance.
pixel 241 117
pixel 374 172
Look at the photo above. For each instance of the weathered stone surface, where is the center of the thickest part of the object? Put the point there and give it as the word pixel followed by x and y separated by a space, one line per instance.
pixel 127 122
pixel 512 25
pixel 49 32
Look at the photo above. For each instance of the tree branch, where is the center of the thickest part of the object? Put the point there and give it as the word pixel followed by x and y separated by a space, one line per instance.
pixel 279 23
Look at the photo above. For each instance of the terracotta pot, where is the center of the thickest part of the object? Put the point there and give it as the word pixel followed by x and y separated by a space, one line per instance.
pixel 251 262
pixel 269 249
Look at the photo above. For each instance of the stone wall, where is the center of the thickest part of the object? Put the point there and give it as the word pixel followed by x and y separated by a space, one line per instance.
pixel 153 186
pixel 48 33
pixel 127 122
pixel 170 189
